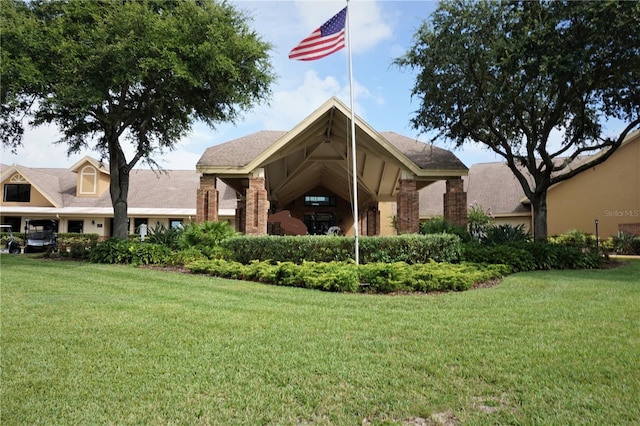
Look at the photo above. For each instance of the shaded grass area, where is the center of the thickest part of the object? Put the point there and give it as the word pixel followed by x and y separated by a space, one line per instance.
pixel 95 344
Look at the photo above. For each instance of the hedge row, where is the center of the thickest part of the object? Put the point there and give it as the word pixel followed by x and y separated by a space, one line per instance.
pixel 529 256
pixel 412 248
pixel 348 277
pixel 64 239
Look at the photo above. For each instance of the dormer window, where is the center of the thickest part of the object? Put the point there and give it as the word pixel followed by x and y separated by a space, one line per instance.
pixel 17 190
pixel 88 180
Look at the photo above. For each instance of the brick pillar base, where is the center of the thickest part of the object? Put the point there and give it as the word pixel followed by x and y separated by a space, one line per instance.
pixel 240 215
pixel 207 200
pixel 408 201
pixel 455 203
pixel 373 222
pixel 256 207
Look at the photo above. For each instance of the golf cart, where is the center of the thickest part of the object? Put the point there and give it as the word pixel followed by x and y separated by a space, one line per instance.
pixel 12 246
pixel 41 236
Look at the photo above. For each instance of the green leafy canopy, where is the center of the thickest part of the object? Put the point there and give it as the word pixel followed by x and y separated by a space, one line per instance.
pixel 509 74
pixel 141 71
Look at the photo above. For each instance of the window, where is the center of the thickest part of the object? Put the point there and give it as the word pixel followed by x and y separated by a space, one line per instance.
pixel 137 222
pixel 319 200
pixel 17 192
pixel 88 179
pixel 176 224
pixel 75 226
pixel 14 221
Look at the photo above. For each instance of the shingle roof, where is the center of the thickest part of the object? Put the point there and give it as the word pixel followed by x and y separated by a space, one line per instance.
pixel 426 156
pixel 148 189
pixel 240 152
pixel 492 185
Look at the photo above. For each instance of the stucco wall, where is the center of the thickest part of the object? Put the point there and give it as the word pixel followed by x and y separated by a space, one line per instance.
pixel 37 199
pixel 609 192
pixel 387 214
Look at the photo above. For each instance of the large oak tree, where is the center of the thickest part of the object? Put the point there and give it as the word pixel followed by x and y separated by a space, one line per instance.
pixel 130 71
pixel 511 74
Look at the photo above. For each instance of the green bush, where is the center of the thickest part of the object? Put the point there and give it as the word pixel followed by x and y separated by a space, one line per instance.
pixel 625 243
pixel 206 237
pixel 145 253
pixel 116 250
pixel 186 256
pixel 516 257
pixel 385 277
pixel 575 238
pixel 113 250
pixel 529 256
pixel 437 225
pixel 478 221
pixel 160 234
pixel 5 236
pixel 505 233
pixel 346 276
pixel 75 245
pixel 411 248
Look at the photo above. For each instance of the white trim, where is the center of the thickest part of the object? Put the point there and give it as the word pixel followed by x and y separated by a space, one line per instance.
pixel 105 211
pixel 89 172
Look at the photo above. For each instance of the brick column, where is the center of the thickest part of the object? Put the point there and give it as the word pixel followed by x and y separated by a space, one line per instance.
pixel 256 207
pixel 455 202
pixel 240 215
pixel 207 200
pixel 373 221
pixel 408 201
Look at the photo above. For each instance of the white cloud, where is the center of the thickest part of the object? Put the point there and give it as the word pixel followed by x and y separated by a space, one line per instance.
pixel 40 150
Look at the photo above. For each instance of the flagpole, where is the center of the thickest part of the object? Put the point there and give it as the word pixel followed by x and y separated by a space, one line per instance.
pixel 353 142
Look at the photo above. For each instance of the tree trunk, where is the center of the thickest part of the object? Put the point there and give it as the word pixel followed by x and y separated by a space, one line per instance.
pixel 539 204
pixel 119 188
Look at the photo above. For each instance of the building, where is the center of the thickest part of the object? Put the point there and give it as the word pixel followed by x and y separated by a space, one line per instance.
pixel 608 193
pixel 306 171
pixel 78 198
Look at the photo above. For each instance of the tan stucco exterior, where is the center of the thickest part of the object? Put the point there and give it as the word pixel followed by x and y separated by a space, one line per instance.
pixel 609 193
pixel 37 198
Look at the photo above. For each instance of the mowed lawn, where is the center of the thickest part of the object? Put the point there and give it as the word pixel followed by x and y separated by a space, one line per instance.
pixel 97 344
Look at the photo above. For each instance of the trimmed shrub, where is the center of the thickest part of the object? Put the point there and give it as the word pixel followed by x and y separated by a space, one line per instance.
pixel 529 256
pixel 346 276
pixel 516 257
pixel 186 256
pixel 385 277
pixel 411 248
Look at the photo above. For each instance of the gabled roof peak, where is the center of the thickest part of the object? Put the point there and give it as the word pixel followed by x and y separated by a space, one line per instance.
pixel 103 167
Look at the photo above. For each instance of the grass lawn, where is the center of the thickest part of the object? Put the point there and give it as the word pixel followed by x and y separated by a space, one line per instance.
pixel 100 344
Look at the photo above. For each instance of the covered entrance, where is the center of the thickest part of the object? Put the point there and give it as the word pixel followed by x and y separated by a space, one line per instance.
pixel 307 171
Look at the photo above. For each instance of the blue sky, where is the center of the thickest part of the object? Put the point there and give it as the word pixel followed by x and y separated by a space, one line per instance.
pixel 381 31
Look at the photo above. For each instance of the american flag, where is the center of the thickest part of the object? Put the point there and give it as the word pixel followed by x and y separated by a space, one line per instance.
pixel 322 42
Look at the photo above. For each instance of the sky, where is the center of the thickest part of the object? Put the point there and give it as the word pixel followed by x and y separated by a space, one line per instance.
pixel 381 31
